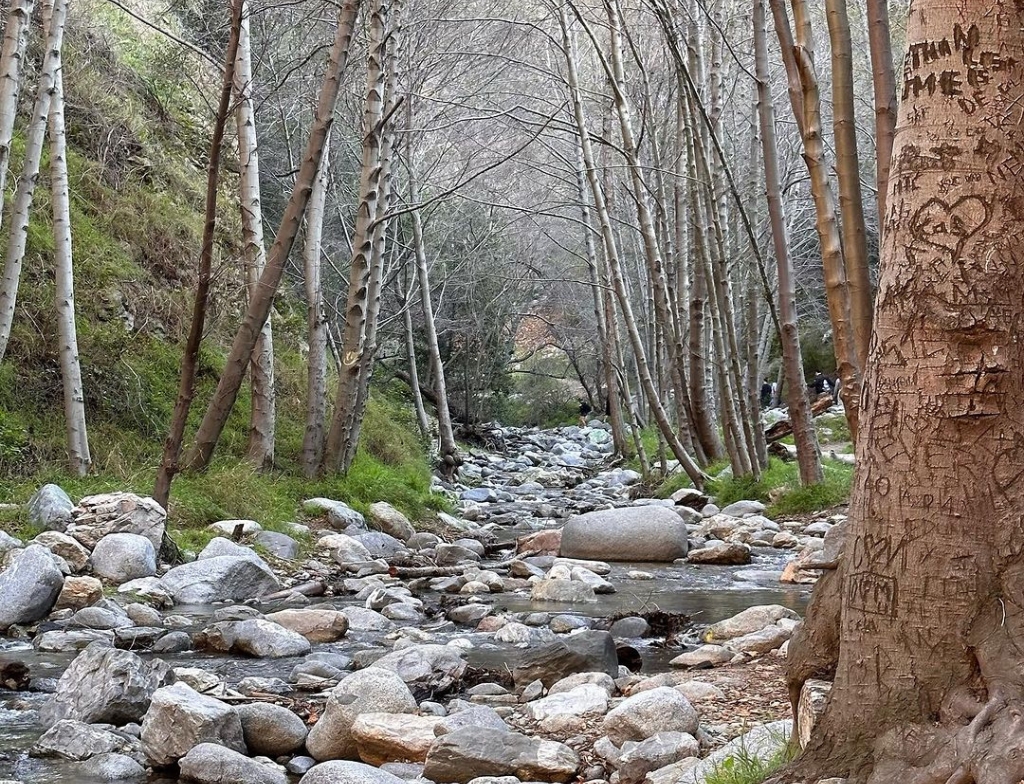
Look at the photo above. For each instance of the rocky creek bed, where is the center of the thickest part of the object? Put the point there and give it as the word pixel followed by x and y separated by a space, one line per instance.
pixel 556 629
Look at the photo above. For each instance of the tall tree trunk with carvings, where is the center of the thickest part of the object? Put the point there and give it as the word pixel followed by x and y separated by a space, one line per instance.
pixel 247 335
pixel 923 621
pixel 64 287
pixel 851 202
pixel 262 417
pixel 169 461
pixel 54 14
pixel 798 58
pixel 808 453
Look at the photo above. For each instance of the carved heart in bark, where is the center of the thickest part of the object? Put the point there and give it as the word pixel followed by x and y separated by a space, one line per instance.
pixel 949 226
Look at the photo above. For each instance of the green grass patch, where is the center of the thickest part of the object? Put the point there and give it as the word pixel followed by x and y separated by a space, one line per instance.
pixel 832 428
pixel 779 487
pixel 746 768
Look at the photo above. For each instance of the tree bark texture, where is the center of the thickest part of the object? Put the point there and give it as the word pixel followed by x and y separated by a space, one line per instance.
pixel 248 333
pixel 79 458
pixel 884 83
pixel 54 14
pixel 19 20
pixel 927 646
pixel 808 453
pixel 169 465
pixel 262 417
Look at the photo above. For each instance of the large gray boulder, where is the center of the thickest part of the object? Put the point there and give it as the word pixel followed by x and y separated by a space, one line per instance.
pixel 123 557
pixel 74 555
pixel 75 740
pixel 50 508
pixel 29 586
pixel 638 533
pixel 384 517
pixel 104 685
pixel 428 668
pixel 589 651
pixel 112 766
pixel 254 637
pixel 112 513
pixel 461 756
pixel 338 772
pixel 645 714
pixel 751 620
pixel 211 763
pixel 271 729
pixel 181 718
pixel 222 578
pixel 372 690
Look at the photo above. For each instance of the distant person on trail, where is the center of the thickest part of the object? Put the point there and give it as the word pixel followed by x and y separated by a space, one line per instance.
pixel 766 394
pixel 820 384
pixel 585 410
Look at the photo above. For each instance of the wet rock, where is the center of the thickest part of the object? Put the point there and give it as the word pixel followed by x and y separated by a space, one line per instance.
pixel 75 740
pixel 211 763
pixel 648 533
pixel 661 749
pixel 103 615
pixel 112 767
pixel 752 619
pixel 340 515
pixel 588 651
pixel 393 737
pixel 104 685
pixel 567 591
pixel 630 627
pixel 181 718
pixel 547 542
pixel 459 757
pixel 648 713
pixel 384 517
pixel 427 668
pixel 173 642
pixel 29 586
pixel 77 640
pixel 50 508
pixel 254 637
pixel 723 553
pixel 218 579
pixel 452 554
pixel 316 625
pixel 372 690
pixel 110 513
pixel 270 729
pixel 123 557
pixel 595 581
pixel 337 772
pixel 362 620
pixel 76 556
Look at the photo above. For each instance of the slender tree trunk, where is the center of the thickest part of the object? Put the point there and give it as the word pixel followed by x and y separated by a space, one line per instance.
pixel 807 106
pixel 70 367
pixel 687 463
pixel 262 418
pixel 410 353
pixel 54 14
pixel 316 323
pixel 248 333
pixel 884 83
pixel 808 454
pixel 364 241
pixel 190 357
pixel 851 202
pixel 922 621
pixel 19 20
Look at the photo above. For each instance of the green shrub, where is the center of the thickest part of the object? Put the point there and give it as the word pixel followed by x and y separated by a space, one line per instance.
pixel 746 768
pixel 780 488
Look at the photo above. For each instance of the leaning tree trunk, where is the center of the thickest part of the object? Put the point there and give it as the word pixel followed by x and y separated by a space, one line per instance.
pixel 851 202
pixel 64 286
pixel 808 453
pixel 54 15
pixel 364 243
pixel 316 323
pixel 190 357
pixel 219 408
pixel 927 639
pixel 19 19
pixel 262 417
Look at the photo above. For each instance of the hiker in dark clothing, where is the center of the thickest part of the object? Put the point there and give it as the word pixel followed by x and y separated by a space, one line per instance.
pixel 585 410
pixel 766 394
pixel 820 384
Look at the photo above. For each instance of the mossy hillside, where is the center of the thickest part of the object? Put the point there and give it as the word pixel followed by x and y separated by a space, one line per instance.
pixel 137 150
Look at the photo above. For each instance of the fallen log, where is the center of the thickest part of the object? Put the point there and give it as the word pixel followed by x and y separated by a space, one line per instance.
pixel 784 427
